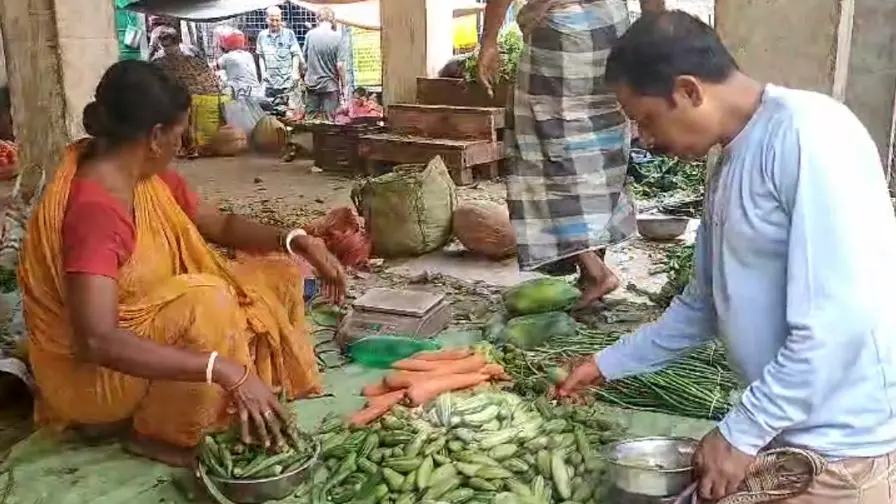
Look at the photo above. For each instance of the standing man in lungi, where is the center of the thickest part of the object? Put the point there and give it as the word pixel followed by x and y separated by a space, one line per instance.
pixel 568 148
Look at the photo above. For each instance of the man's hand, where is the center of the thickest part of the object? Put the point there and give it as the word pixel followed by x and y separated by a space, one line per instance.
pixel 585 374
pixel 720 466
pixel 488 65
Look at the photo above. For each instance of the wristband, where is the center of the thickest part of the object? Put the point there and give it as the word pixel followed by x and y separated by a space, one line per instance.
pixel 210 367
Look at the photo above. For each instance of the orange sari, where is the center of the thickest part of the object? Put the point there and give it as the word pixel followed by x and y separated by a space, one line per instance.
pixel 175 291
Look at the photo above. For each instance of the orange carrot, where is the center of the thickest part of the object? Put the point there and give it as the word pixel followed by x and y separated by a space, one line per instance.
pixel 460 366
pixel 376 407
pixel 391 398
pixel 443 355
pixel 494 370
pixel 412 364
pixel 427 390
pixel 399 380
pixel 369 414
pixel 375 389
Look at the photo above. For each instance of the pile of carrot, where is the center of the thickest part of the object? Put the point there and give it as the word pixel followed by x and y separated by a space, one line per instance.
pixel 423 377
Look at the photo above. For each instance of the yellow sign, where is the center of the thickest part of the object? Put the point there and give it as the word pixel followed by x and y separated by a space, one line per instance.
pixel 367 58
pixel 466 32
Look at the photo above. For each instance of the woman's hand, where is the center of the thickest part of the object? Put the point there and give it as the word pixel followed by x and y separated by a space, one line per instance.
pixel 329 270
pixel 259 409
pixel 488 66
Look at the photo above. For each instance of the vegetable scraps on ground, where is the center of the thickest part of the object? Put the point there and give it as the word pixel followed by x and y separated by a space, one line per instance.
pixel 485 446
pixel 699 385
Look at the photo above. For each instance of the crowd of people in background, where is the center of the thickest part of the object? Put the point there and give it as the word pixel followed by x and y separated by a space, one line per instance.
pixel 307 78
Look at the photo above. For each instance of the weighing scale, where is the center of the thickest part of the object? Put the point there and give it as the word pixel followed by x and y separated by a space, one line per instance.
pixel 399 312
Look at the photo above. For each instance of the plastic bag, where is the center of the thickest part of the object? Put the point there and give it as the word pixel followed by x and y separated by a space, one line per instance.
pixel 342 231
pixel 243 112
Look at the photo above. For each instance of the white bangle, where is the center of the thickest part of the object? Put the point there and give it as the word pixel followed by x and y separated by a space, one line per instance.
pixel 210 367
pixel 290 236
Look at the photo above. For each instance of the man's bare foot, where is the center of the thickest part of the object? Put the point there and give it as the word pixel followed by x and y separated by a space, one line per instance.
pixel 595 291
pixel 159 451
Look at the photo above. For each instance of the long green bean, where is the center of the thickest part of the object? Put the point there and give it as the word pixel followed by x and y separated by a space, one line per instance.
pixel 697 385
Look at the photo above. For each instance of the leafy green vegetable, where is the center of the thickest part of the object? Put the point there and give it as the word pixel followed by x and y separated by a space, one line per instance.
pixel 679 265
pixel 510 46
pixel 668 178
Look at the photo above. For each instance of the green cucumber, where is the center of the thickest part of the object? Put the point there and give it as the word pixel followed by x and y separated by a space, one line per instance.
pixel 393 478
pixel 424 473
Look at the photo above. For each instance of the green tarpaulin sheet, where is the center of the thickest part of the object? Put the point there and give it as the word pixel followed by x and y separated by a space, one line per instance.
pixel 55 469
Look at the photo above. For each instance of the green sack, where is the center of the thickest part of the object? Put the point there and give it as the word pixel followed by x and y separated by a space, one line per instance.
pixel 408 212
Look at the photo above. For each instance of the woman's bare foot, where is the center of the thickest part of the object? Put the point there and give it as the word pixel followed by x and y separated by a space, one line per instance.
pixel 159 451
pixel 101 433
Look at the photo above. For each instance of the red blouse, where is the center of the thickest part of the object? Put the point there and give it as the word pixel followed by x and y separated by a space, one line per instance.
pixel 98 231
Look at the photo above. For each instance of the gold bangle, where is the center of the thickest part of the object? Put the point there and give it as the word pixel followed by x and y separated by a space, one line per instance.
pixel 239 383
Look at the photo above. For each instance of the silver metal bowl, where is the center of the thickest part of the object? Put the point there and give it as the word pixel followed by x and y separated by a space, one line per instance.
pixel 258 491
pixel 652 466
pixel 662 227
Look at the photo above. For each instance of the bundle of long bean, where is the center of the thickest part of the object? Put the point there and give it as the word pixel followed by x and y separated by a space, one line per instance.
pixel 698 385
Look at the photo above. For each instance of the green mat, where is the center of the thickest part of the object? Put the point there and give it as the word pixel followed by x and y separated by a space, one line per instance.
pixel 55 469
pixel 47 468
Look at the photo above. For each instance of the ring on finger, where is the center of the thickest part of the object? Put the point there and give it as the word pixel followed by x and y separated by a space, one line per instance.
pixel 268 414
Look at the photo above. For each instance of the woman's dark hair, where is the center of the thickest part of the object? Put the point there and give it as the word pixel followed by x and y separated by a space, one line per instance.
pixel 361 91
pixel 131 99
pixel 659 47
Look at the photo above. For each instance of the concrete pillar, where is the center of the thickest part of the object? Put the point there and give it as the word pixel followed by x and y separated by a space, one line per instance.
pixel 416 40
pixel 845 48
pixel 786 42
pixel 56 52
pixel 871 81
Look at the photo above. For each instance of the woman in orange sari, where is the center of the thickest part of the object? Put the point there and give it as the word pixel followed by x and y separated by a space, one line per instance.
pixel 133 319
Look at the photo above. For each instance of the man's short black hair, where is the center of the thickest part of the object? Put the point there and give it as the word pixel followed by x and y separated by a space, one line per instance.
pixel 659 47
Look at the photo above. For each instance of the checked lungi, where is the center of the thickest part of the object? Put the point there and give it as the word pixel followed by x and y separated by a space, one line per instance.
pixel 568 149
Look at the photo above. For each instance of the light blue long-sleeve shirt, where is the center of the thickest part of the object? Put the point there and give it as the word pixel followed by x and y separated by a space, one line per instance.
pixel 795 271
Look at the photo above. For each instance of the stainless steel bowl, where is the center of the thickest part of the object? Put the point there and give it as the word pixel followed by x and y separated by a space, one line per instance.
pixel 652 466
pixel 661 227
pixel 259 490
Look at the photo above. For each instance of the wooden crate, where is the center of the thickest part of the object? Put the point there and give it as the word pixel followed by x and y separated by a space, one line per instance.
pixel 465 159
pixel 446 121
pixel 335 146
pixel 460 93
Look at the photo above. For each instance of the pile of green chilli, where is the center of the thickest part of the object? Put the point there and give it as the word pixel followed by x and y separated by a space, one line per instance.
pixel 225 456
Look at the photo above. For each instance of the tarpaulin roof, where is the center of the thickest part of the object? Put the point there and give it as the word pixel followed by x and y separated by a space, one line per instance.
pixel 360 13
pixel 366 13
pixel 208 10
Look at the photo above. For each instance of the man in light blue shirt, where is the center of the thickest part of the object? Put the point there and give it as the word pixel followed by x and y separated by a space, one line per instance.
pixel 795 264
pixel 279 55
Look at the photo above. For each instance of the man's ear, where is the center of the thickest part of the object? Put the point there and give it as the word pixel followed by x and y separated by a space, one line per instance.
pixel 687 90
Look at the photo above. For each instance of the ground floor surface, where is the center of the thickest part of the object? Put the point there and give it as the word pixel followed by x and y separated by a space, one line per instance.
pixel 45 467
